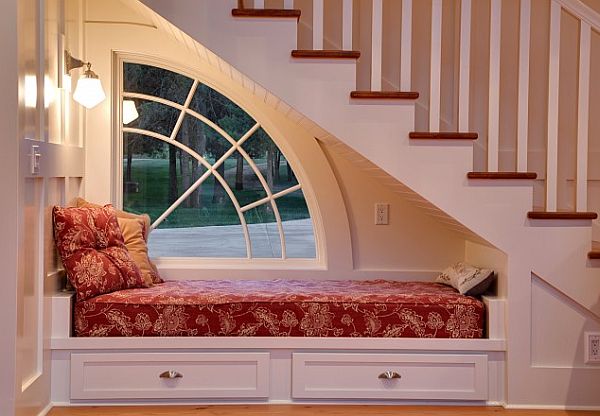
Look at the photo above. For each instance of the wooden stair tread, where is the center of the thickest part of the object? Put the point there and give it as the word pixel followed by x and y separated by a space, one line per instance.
pixel 502 175
pixel 291 13
pixel 561 215
pixel 395 95
pixel 445 135
pixel 326 53
pixel 594 254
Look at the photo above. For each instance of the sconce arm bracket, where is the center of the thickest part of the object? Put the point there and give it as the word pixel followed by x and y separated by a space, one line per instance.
pixel 72 63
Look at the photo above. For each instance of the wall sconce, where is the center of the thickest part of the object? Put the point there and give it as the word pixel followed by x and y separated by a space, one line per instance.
pixel 130 113
pixel 88 92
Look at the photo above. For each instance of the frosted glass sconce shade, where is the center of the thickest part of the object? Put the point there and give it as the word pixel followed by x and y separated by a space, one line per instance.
pixel 89 92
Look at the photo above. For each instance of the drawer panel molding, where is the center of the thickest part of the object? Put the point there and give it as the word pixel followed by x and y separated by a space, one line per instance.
pixel 390 376
pixel 169 375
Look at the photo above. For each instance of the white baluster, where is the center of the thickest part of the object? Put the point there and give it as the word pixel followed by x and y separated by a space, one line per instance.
pixel 585 44
pixel 553 86
pixel 436 65
pixel 494 87
pixel 347 25
pixel 523 100
pixel 376 44
pixel 259 4
pixel 288 4
pixel 464 80
pixel 406 46
pixel 317 24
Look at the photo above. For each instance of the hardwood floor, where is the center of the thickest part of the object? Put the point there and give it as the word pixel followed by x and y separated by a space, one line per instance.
pixel 305 410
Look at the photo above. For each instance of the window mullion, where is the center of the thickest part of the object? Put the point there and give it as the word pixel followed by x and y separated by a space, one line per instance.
pixel 186 105
pixel 279 228
pixel 182 198
pixel 287 191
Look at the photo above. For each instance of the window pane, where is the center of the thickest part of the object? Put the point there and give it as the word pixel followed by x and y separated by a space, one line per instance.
pixel 204 225
pixel 202 138
pixel 264 235
pixel 266 154
pixel 155 117
pixel 156 82
pixel 297 226
pixel 151 175
pixel 221 111
pixel 242 180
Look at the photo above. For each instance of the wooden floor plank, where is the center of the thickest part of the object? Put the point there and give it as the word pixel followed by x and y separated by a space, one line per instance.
pixel 305 410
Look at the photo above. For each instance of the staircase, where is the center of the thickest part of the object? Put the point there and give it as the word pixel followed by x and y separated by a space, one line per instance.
pixel 424 133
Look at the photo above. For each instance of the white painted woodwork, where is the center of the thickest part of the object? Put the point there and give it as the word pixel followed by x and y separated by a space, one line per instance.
pixel 464 81
pixel 523 99
pixel 422 376
pixel 376 44
pixel 317 29
pixel 48 134
pixel 583 116
pixel 288 4
pixel 553 115
pixel 136 376
pixel 259 4
pixel 496 317
pixel 494 87
pixel 436 66
pixel 582 12
pixel 347 7
pixel 406 46
pixel 62 307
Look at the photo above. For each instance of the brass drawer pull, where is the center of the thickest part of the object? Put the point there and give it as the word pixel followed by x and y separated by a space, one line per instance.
pixel 389 375
pixel 171 374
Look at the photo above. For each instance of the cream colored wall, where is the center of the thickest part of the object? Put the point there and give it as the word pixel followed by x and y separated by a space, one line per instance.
pixel 352 244
pixel 411 241
pixel 9 170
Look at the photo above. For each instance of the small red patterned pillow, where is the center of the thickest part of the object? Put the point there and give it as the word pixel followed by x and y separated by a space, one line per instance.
pixel 92 250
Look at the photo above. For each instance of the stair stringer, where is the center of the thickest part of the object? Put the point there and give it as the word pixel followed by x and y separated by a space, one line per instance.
pixel 435 171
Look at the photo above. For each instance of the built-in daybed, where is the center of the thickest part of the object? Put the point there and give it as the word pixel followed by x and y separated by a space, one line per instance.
pixel 281 340
pixel 314 308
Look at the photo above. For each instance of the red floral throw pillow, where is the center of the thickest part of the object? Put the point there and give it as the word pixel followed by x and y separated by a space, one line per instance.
pixel 92 250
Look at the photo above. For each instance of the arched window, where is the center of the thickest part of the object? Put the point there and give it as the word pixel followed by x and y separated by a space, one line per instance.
pixel 212 180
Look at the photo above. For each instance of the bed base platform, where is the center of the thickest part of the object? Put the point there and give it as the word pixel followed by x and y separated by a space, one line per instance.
pixel 203 370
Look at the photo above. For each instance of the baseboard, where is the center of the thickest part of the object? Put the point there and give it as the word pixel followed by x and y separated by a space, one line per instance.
pixel 551 407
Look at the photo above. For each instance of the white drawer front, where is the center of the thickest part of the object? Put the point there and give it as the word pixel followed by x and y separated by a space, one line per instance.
pixel 137 376
pixel 422 376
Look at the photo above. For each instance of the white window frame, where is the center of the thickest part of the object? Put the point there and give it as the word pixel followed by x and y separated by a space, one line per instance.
pixel 318 262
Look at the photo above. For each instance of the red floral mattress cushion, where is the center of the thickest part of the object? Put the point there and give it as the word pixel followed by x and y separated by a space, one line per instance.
pixel 283 308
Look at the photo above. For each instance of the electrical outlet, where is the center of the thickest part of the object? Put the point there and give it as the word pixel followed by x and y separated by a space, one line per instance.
pixel 592 347
pixel 382 214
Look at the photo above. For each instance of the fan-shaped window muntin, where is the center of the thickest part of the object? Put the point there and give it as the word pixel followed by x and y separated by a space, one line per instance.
pixel 236 146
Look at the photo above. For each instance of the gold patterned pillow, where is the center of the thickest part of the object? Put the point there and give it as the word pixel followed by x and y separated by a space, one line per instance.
pixel 467 279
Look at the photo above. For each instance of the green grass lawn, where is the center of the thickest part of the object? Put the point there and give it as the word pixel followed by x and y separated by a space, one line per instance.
pixel 152 177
